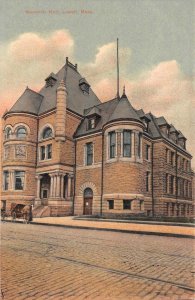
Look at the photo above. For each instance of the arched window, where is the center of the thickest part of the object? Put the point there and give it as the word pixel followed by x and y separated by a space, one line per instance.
pixel 21 132
pixel 47 133
pixel 88 193
pixel 8 133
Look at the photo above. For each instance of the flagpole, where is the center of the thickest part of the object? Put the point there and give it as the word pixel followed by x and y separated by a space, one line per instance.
pixel 117 71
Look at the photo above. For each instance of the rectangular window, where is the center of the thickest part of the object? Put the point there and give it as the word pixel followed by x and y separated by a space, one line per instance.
pixel 167 183
pixel 182 187
pixel 112 138
pixel 89 154
pixel 178 187
pixel 6 180
pixel 139 145
pixel 126 204
pixel 49 151
pixel 19 180
pixel 167 155
pixel 91 123
pixel 172 158
pixel 183 164
pixel 178 162
pixel 127 143
pixel 147 181
pixel 147 152
pixel 171 184
pixel 42 153
pixel 111 204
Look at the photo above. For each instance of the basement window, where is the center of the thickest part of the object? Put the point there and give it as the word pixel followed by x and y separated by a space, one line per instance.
pixel 110 204
pixel 126 204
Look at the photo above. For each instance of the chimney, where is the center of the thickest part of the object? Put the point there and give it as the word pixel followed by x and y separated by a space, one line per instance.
pixel 61 112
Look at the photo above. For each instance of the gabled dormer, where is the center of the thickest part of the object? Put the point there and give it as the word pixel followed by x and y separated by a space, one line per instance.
pixel 93 117
pixel 173 133
pixel 163 126
pixel 84 86
pixel 182 140
pixel 51 80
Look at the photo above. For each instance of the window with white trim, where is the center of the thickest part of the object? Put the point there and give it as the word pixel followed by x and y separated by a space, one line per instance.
pixel 42 152
pixel 21 133
pixel 8 133
pixel 49 151
pixel 148 181
pixel 127 143
pixel 19 180
pixel 139 145
pixel 5 180
pixel 171 184
pixel 147 152
pixel 47 133
pixel 89 154
pixel 91 123
pixel 112 144
pixel 46 152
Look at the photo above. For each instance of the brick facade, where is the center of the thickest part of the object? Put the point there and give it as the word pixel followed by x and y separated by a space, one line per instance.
pixel 154 178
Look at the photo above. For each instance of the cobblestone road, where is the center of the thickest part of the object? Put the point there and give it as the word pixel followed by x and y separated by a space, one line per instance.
pixel 41 262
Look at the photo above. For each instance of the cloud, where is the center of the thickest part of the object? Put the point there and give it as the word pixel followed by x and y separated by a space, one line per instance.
pixel 104 64
pixel 28 60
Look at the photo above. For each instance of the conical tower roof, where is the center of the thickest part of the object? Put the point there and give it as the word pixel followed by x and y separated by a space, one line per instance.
pixel 124 110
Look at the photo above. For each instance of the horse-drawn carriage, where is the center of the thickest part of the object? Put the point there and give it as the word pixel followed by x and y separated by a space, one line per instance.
pixel 18 211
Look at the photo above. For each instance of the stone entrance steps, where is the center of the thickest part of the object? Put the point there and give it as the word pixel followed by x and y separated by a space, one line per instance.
pixel 41 211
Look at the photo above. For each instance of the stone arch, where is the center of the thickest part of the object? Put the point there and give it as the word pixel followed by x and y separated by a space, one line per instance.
pixel 41 130
pixel 18 125
pixel 8 126
pixel 8 131
pixel 86 185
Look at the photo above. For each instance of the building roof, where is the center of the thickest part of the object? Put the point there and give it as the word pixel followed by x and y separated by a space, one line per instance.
pixel 124 110
pixel 161 121
pixel 45 100
pixel 172 129
pixel 93 111
pixel 181 136
pixel 77 101
pixel 28 102
pixel 113 110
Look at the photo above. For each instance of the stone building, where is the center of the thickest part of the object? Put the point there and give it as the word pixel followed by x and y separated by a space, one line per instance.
pixel 66 152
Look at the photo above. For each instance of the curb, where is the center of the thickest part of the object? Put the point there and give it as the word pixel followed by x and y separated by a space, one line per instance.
pixel 110 229
pixel 137 222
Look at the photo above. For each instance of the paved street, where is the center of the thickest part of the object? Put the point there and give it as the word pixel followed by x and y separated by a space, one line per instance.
pixel 42 262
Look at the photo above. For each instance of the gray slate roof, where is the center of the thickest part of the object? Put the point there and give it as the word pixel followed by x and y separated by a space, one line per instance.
pixel 29 102
pixel 124 110
pixel 115 109
pixel 45 100
pixel 172 129
pixel 77 101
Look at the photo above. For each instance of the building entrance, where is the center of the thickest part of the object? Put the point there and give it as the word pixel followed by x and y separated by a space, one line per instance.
pixel 88 202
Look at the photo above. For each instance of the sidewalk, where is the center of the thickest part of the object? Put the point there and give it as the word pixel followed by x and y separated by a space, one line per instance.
pixel 136 227
pixel 133 227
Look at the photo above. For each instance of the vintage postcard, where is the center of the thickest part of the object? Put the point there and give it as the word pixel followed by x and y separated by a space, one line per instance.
pixel 97 181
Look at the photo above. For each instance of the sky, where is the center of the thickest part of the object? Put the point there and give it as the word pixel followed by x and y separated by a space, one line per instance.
pixel 155 51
